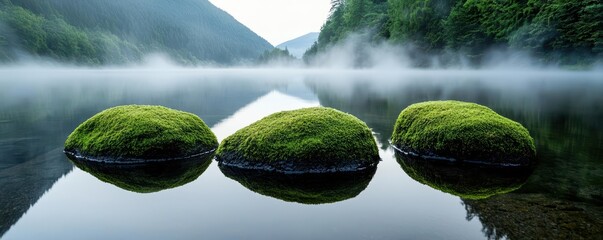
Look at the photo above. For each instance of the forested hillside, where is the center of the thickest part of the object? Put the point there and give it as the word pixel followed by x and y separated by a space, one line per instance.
pixel 553 31
pixel 113 32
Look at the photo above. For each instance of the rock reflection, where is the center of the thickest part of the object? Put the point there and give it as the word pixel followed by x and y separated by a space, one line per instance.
pixel 303 188
pixel 468 181
pixel 535 216
pixel 147 177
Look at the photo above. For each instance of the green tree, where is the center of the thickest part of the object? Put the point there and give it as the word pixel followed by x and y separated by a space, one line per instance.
pixel 420 22
pixel 29 26
pixel 464 31
pixel 349 16
pixel 276 55
pixel 557 31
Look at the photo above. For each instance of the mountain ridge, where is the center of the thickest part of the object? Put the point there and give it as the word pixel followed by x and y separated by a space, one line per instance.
pixel 101 32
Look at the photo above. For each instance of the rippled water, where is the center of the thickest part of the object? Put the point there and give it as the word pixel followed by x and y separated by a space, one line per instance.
pixel 44 196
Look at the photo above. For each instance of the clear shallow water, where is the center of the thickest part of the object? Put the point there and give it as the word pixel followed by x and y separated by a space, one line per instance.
pixel 562 198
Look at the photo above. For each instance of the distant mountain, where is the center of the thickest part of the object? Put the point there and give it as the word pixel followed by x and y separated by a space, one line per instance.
pixel 113 32
pixel 298 46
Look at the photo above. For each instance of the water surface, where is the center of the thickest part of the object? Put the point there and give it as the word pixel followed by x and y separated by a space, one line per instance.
pixel 44 196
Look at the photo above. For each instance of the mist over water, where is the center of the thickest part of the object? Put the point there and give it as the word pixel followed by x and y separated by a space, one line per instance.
pixel 356 52
pixel 41 104
pixel 42 101
pixel 353 53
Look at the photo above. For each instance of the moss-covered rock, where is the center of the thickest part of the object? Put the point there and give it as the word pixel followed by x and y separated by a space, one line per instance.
pixel 138 133
pixel 303 188
pixel 310 140
pixel 468 181
pixel 464 132
pixel 146 177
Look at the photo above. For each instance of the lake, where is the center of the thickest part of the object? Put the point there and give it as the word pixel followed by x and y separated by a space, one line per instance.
pixel 44 196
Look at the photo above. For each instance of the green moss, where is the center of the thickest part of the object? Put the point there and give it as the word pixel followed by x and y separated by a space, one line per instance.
pixel 304 188
pixel 463 131
pixel 465 181
pixel 302 139
pixel 141 132
pixel 147 178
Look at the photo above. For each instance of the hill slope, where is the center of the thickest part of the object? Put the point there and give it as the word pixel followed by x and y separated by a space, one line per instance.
pixel 553 31
pixel 109 31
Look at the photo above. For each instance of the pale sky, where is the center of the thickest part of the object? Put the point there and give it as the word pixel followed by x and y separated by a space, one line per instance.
pixel 278 21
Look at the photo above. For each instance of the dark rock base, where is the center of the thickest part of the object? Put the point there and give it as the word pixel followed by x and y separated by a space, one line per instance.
pixel 496 161
pixel 234 160
pixel 123 160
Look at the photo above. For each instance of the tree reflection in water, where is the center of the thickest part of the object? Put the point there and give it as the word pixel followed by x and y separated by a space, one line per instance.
pixel 535 216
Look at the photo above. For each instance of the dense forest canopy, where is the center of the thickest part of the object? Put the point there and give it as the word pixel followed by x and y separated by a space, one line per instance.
pixel 276 56
pixel 553 31
pixel 113 32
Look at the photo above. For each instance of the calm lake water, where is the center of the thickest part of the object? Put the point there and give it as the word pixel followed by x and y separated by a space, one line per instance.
pixel 44 196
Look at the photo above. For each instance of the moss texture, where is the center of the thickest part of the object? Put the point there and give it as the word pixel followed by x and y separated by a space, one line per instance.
pixel 303 188
pixel 305 140
pixel 467 181
pixel 147 178
pixel 462 131
pixel 141 132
